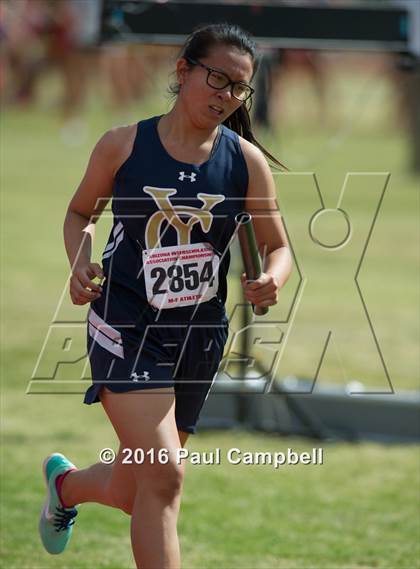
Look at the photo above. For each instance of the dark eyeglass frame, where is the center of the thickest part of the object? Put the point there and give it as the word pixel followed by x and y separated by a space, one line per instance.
pixel 229 82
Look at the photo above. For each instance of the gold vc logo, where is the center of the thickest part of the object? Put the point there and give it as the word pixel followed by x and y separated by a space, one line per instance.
pixel 171 214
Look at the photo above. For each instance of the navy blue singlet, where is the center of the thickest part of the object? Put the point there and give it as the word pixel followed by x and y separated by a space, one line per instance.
pixel 159 202
pixel 161 319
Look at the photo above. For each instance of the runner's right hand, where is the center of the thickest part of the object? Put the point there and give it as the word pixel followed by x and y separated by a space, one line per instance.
pixel 82 287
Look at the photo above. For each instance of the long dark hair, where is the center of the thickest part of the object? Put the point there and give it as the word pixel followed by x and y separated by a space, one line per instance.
pixel 198 45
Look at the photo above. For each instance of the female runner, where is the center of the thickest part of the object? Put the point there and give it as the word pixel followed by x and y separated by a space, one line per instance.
pixel 157 326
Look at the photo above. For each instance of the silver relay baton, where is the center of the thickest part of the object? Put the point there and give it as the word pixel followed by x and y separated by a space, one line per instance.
pixel 250 255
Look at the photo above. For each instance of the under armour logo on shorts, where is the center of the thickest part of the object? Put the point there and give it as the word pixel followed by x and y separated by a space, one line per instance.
pixel 192 177
pixel 145 375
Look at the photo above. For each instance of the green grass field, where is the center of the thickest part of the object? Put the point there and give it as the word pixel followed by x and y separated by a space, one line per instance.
pixel 359 509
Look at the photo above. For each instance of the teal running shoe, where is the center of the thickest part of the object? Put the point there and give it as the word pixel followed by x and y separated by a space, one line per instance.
pixel 56 522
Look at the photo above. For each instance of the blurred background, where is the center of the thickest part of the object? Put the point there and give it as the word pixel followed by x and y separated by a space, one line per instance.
pixel 327 113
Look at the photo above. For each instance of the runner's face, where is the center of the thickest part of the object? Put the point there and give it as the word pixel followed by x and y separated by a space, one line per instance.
pixel 208 106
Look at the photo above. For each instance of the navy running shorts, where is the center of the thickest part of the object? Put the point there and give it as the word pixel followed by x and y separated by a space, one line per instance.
pixel 184 356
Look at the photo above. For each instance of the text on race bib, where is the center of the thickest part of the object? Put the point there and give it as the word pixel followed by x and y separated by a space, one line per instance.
pixel 181 275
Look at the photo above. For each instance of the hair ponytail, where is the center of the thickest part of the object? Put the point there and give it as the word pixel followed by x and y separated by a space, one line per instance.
pixel 240 122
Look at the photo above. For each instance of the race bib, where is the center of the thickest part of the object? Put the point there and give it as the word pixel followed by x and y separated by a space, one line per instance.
pixel 182 275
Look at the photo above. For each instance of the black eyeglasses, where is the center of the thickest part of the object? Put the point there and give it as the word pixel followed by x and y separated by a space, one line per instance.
pixel 219 80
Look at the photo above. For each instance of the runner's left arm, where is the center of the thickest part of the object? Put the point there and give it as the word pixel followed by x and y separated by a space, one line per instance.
pixel 271 237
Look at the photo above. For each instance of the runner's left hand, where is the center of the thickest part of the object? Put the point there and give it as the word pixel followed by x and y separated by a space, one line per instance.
pixel 261 292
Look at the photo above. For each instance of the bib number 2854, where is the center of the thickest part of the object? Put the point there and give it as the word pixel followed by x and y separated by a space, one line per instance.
pixel 180 275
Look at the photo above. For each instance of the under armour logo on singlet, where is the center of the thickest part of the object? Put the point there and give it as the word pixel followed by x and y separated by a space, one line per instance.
pixel 145 375
pixel 192 177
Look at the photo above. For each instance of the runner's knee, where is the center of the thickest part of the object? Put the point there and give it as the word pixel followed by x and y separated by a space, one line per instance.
pixel 163 480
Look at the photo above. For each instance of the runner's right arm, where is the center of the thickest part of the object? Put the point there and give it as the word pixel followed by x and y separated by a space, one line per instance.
pixel 86 206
